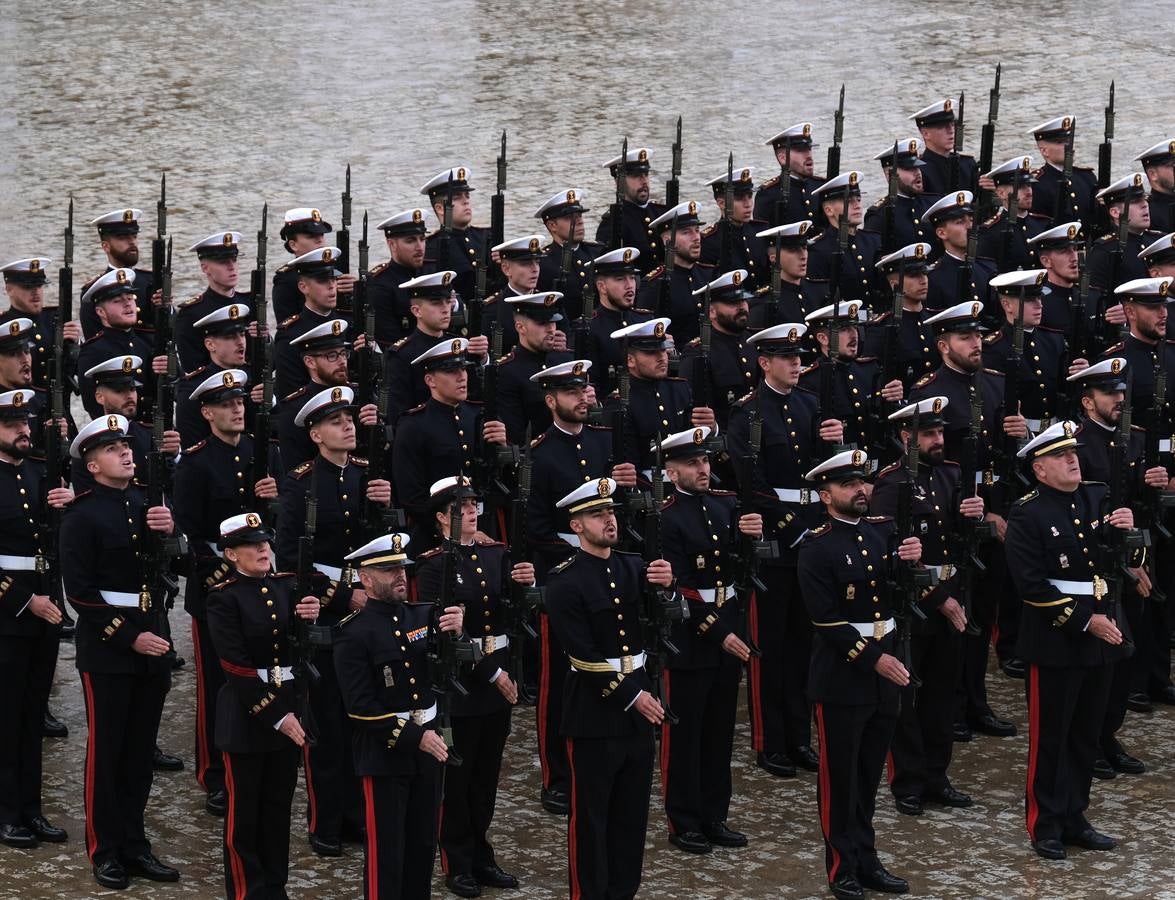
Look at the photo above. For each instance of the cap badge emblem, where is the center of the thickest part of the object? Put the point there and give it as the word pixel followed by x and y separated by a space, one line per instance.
pixel 227 380
pixel 1164 288
pixel 919 251
pixel 252 520
pixel 14 327
pixel 946 105
pixel 455 346
pixel 642 156
pixel 736 278
pixel 853 307
pixel 604 488
pixel 417 216
pixel 397 543
pixel 699 435
pixel 803 228
pixel 34 265
pixel 1115 366
pixel 534 245
pixel 746 175
pixel 461 173
pixel 336 395
pixel 315 216
pixel 936 407
pixel 1137 179
pixel 18 398
pixel 807 129
pixel 793 335
pixel 1068 426
pixel 659 330
pixel 627 256
pixel 1072 232
pixel 1066 123
pixel 550 299
pixel 577 369
pixel 858 457
pixel 693 206
pixel 227 239
pixel 121 276
pixel 571 196
pixel 234 311
pixel 128 215
pixel 112 423
pixel 446 277
pixel 975 307
pixel 327 256
pixel 960 199
pixel 852 179
pixel 336 327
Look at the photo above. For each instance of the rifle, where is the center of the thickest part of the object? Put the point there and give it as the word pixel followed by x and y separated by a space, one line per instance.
pixel 891 363
pixel 364 317
pixel 889 224
pixel 492 459
pixel 304 636
pixel 987 143
pixel 955 166
pixel 1156 501
pixel 971 533
pixel 522 600
pixel 665 289
pixel 658 613
pixel 775 295
pixel 965 286
pixel 828 372
pixel 1105 150
pixel 582 328
pixel 673 185
pixel 344 236
pixel 616 240
pixel 161 273
pixel 1010 471
pixel 783 204
pixel 498 213
pixel 446 235
pixel 261 364
pixel 446 651
pixel 750 551
pixel 702 380
pixel 65 297
pixel 838 133
pixel 726 251
pixel 379 519
pixel 1008 235
pixel 909 581
pixel 1066 207
pixel 634 502
pixel 1117 544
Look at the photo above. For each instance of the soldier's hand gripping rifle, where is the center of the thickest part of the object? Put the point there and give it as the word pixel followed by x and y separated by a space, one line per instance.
pixel 970 533
pixel 343 239
pixel 673 185
pixel 305 637
pixel 891 363
pixel 751 551
pixel 377 518
pixel 910 581
pixel 447 652
pixel 163 585
pixel 1119 546
pixel 828 370
pixel 522 600
pixel 661 608
pixel 987 201
pixel 955 163
pixel 497 218
pixel 1011 473
pixel 1156 501
pixel 1105 150
pixel 616 211
pixel 492 461
pixel 838 133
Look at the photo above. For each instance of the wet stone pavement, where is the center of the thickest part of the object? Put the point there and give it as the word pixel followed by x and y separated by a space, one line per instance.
pixel 976 852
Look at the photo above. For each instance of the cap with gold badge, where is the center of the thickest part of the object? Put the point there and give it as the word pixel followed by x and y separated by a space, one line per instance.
pixel 912 259
pixel 222 386
pixel 590 495
pixel 452 180
pixel 635 162
pixel 545 307
pixel 1147 291
pixel 621 261
pixel 1056 130
pixel 323 404
pixel 319 263
pixel 387 551
pixel 1108 375
pixel 1161 252
pixel 15 404
pixel 113 284
pixel 730 287
pixel 908 151
pixel 846 466
pixel 222 245
pixel 962 317
pixel 232 318
pixel 793 234
pixel 785 339
pixel 1054 439
pixel 798 137
pixel 952 206
pixel 687 444
pixel 448 354
pixel 561 204
pixel 836 188
pixel 1017 170
pixel 650 335
pixel 1058 238
pixel 410 221
pixel 16 335
pixel 30 272
pixel 433 286
pixel 303 220
pixel 564 375
pixel 103 430
pixel 928 411
pixel 938 113
pixel 118 372
pixel 246 528
pixel 118 222
pixel 684 215
pixel 524 248
pixel 330 335
pixel 1129 187
pixel 739 178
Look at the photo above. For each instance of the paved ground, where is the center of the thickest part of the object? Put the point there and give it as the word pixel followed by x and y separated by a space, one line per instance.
pixel 977 852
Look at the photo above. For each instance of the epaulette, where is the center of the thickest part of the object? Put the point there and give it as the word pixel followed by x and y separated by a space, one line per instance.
pixel 656 273
pixel 493 298
pixel 814 239
pixel 348 617
pixel 1031 495
pixel 1077 168
pixel 809 369
pixel 763 291
pixel 1106 238
pixel 300 470
pixel 994 372
pixel 488 543
pixel 432 234
pixel 993 337
pixel 509 357
pixel 97 334
pixel 925 379
pixel 415 409
pixel 286 323
pixel 934 265
pixel 375 270
pixel 642 310
pixel 429 554
pixel 563 565
pixel 594 427
pixel 673 378
pixel 359 461
pixel 716 492
pixel 892 467
pixel 221 585
pixel 999 214
pixel 753 221
pixel 1095 483
pixel 284 575
pixel 196 447
pixel 189 301
pixel 1116 348
pixel 950 462
pixel 1134 427
pixel 713 229
pixel 294 395
pixel 1041 216
pixel 866 359
pixel 88 284
pixel 769 183
pixel 77 497
pixel 283 268
pixel 536 441
pixel 877 520
pixel 1037 171
pixel 399 345
pixel 696 342
pixel 745 398
pixel 879 204
pixel 881 317
pixel 703 265
pixel 819 531
pixel 199 370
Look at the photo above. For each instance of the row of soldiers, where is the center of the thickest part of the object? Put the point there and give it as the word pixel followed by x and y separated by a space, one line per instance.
pixel 597 375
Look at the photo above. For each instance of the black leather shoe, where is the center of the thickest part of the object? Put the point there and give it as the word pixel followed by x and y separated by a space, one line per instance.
pixel 1049 848
pixel 880 880
pixel 1164 695
pixel 47 831
pixel 1092 839
pixel 988 723
pixel 165 762
pixel 555 801
pixel 52 728
pixel 908 805
pixel 1013 667
pixel 691 842
pixel 148 866
pixel 718 834
pixel 805 757
pixel 463 885
pixel 18 836
pixel 948 796
pixel 846 887
pixel 1127 764
pixel 776 764
pixel 1103 770
pixel 217 803
pixel 1140 703
pixel 960 733
pixel 325 847
pixel 492 876
pixel 111 874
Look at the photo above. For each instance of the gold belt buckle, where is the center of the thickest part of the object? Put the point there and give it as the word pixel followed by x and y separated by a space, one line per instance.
pixel 42 564
pixel 878 630
pixel 346 575
pixel 275 675
pixel 805 496
pixel 417 716
pixel 1100 588
pixel 144 601
pixel 720 596
pixel 489 643
pixel 626 667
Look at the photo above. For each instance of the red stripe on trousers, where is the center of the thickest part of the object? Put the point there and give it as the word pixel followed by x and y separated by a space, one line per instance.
pixel 755 686
pixel 91 754
pixel 572 862
pixel 665 732
pixel 544 696
pixel 372 840
pixel 202 760
pixel 825 798
pixel 889 768
pixel 310 789
pixel 235 864
pixel 1032 810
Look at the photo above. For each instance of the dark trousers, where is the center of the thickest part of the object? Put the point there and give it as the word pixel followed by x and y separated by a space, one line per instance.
pixel 1122 674
pixel 122 718
pixel 922 741
pixel 610 783
pixel 1066 705
pixel 853 744
pixel 471 790
pixel 695 753
pixel 209 680
pixel 995 595
pixel 1153 667
pixel 549 709
pixel 401 812
pixel 27 664
pixel 260 788
pixel 332 788
pixel 777 683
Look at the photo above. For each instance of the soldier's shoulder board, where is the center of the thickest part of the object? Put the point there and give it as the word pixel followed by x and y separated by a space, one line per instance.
pixel 536 441
pixel 79 497
pixel 377 268
pixel 95 336
pixel 1077 168
pixel 414 410
pixel 867 359
pixel 221 585
pixel 360 462
pixel 744 399
pixel 1117 348
pixel 880 204
pixel 489 543
pixel 877 520
pixel 951 463
pixel 286 323
pixel 348 617
pixel 564 565
pixel 710 230
pixel 285 267
pixel 642 310
pixel 655 273
pixel 196 448
pixel 600 428
pixel 925 379
pixel 190 301
pixel 1031 495
pixel 819 531
pixel 696 342
pixel 892 467
pixel 284 575
pixel 994 372
pixel 769 183
pixel 1094 483
pixel 493 298
pixel 807 370
pixel 429 554
pixel 994 220
pixel 1040 216
pixel 402 342
pixel 294 395
pixel 719 493
pixel 1107 238
pixel 993 338
pixel 669 501
pixel 302 469
pixel 1134 427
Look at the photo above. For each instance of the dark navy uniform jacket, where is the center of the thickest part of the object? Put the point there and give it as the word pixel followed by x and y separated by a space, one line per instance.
pixel 107 344
pixel 521 402
pixel 1012 251
pixel 1141 357
pixel 917 350
pixel 285 298
pixel 1039 369
pixel 635 232
pixel 466 256
pixel 908 225
pixel 936 174
pixel 956 387
pixel 859 280
pixel 189 343
pixel 734 369
pixel 607 354
pixel 947 285
pixel 655 407
pixel 433 441
pixel 289 372
pixel 561 462
pixel 801 204
pixel 854 395
pixel 684 308
pixel 1106 272
pixel 22 517
pixel 393 308
pixel 1082 203
pixel 748 251
pixel 579 280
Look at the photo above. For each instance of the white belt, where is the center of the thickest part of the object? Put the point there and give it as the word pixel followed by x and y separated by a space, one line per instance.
pixel 941 572
pixel 1034 424
pixel 1082 588
pixel 215 549
pixel 869 629
pixel 287 674
pixel 21 564
pixel 334 573
pixel 492 642
pixel 419 716
pixel 625 664
pixel 120 598
pixel 648 473
pixel 981 477
pixel 710 595
pixel 572 539
pixel 1164 445
pixel 796 495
